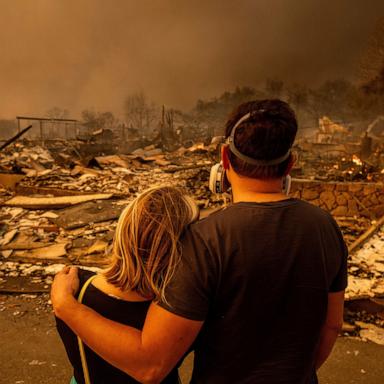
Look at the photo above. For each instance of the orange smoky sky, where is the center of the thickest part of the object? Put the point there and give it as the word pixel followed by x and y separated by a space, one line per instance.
pixel 78 54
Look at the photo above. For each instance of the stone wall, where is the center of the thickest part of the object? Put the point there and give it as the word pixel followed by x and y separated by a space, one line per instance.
pixel 342 199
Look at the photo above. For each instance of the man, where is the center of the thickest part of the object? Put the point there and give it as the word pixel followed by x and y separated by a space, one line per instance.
pixel 260 286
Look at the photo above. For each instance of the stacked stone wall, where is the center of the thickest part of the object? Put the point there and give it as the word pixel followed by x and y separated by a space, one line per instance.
pixel 342 199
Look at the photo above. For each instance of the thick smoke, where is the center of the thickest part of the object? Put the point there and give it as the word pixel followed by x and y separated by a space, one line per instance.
pixel 77 54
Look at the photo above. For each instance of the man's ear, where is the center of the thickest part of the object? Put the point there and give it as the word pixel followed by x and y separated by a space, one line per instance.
pixel 224 156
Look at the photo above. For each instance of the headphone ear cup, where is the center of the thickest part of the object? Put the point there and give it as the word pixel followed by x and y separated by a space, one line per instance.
pixel 218 182
pixel 287 180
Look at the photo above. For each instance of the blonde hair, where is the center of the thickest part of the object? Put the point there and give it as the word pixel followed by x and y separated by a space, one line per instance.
pixel 146 247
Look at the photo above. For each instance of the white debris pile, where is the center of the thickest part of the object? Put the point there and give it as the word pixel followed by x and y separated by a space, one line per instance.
pixel 37 277
pixel 22 229
pixel 75 234
pixel 15 269
pixel 38 272
pixel 366 268
pixel 31 161
pixel 371 332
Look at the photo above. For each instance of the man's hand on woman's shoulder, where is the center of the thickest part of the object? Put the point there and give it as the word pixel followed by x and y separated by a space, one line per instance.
pixel 64 287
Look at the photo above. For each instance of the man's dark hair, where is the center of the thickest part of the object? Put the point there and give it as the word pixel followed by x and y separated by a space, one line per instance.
pixel 266 135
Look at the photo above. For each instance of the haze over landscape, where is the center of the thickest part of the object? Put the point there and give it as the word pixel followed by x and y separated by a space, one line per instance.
pixel 93 53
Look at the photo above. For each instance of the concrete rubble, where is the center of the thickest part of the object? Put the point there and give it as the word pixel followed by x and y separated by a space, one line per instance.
pixel 66 211
pixel 366 269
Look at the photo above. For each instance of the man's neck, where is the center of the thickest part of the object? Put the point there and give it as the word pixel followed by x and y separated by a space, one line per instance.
pixel 259 191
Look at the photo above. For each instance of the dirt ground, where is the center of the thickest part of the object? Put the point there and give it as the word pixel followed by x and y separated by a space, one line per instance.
pixel 31 351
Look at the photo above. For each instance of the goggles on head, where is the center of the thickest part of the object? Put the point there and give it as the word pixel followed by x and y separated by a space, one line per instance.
pixel 231 142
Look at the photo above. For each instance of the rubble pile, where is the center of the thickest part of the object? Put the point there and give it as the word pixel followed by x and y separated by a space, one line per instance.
pixel 67 212
pixel 338 166
pixel 122 175
pixel 343 170
pixel 352 227
pixel 37 277
pixel 78 233
pixel 366 269
pixel 22 160
pixel 364 312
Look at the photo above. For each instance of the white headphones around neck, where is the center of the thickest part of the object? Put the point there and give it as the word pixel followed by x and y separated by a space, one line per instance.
pixel 218 182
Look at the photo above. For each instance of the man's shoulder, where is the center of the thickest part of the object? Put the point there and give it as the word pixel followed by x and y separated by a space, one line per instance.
pixel 214 215
pixel 316 212
pixel 305 205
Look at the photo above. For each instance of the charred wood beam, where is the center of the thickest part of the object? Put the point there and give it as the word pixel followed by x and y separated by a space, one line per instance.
pixel 365 236
pixel 45 119
pixel 14 138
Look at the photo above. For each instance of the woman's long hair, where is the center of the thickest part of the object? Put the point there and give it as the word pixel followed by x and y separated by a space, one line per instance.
pixel 146 247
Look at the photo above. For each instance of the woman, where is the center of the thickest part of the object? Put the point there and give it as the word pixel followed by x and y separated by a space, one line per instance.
pixel 144 255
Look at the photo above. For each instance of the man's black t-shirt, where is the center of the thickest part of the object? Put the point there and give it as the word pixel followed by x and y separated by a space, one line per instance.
pixel 131 313
pixel 258 275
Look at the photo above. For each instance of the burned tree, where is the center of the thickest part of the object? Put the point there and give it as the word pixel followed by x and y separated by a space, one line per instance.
pixel 57 113
pixel 139 112
pixel 98 120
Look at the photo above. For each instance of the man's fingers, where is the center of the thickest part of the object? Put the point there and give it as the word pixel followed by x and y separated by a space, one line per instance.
pixel 65 270
pixel 73 271
pixel 68 270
